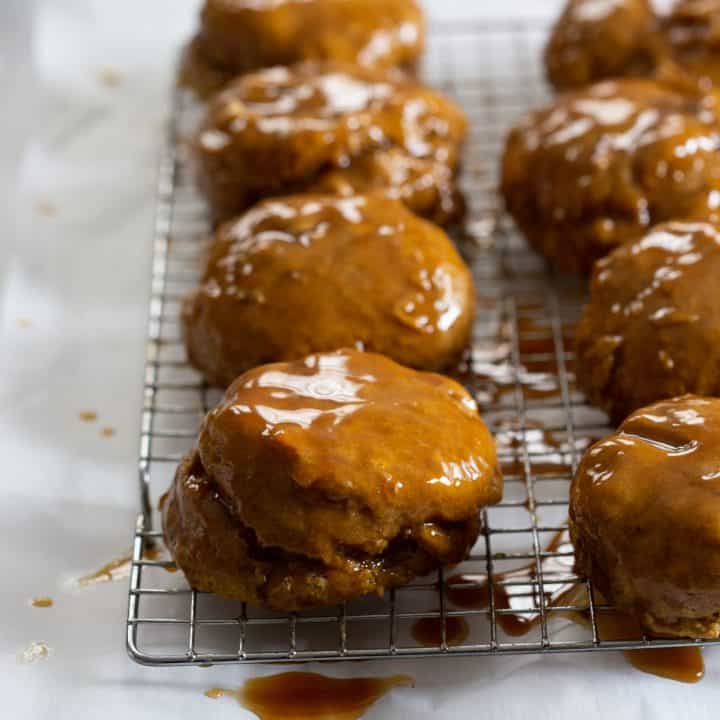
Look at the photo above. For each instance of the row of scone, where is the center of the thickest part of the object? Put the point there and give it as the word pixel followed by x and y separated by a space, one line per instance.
pixel 328 473
pixel 622 178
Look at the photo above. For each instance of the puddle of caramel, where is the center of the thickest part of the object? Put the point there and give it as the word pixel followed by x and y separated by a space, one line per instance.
pixel 88 415
pixel 472 591
pixel 119 567
pixel 683 664
pixel 310 696
pixel 42 602
pixel 107 431
pixel 428 631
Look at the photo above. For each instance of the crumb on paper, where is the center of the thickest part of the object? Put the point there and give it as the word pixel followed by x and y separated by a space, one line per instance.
pixel 109 77
pixel 46 208
pixel 24 323
pixel 108 431
pixel 42 602
pixel 35 652
pixel 88 415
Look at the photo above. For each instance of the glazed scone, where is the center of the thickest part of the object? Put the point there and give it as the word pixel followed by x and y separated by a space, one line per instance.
pixel 596 40
pixel 645 517
pixel 329 478
pixel 282 130
pixel 599 39
pixel 599 166
pixel 426 186
pixel 313 273
pixel 237 36
pixel 651 329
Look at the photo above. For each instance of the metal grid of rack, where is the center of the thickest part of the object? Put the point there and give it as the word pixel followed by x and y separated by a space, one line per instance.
pixel 521 372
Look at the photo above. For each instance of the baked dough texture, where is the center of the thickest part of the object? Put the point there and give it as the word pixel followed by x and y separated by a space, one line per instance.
pixel 599 166
pixel 645 517
pixel 331 125
pixel 310 273
pixel 329 478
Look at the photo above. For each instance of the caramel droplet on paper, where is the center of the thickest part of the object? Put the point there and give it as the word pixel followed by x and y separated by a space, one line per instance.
pixel 42 602
pixel 87 415
pixel 46 208
pixel 310 696
pixel 107 432
pixel 109 77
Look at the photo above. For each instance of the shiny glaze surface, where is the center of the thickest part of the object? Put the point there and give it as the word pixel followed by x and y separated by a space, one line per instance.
pixel 280 129
pixel 599 39
pixel 595 40
pixel 426 186
pixel 651 329
pixel 644 509
pixel 310 696
pixel 237 36
pixel 597 167
pixel 311 273
pixel 329 478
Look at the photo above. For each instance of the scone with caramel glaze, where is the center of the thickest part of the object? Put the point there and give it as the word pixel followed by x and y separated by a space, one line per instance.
pixel 237 36
pixel 313 273
pixel 321 126
pixel 595 40
pixel 651 329
pixel 598 167
pixel 328 478
pixel 645 517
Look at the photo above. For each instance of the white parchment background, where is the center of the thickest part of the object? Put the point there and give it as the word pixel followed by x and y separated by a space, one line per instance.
pixel 77 168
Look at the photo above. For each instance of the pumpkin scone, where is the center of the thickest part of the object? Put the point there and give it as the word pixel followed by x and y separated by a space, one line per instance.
pixel 237 36
pixel 600 166
pixel 596 40
pixel 323 125
pixel 328 478
pixel 645 517
pixel 651 329
pixel 312 273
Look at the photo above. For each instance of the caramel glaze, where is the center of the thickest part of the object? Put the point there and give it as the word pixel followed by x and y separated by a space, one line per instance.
pixel 310 696
pixel 329 478
pixel 599 39
pixel 284 129
pixel 652 327
pixel 310 273
pixel 428 631
pixel 599 166
pixel 472 591
pixel 644 517
pixel 242 35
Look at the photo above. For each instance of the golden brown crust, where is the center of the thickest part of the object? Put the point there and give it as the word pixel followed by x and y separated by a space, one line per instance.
pixel 644 517
pixel 286 130
pixel 329 478
pixel 311 273
pixel 238 36
pixel 599 166
pixel 596 40
pixel 651 329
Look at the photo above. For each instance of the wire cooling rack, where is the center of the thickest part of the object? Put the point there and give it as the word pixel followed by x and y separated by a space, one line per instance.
pixel 520 573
